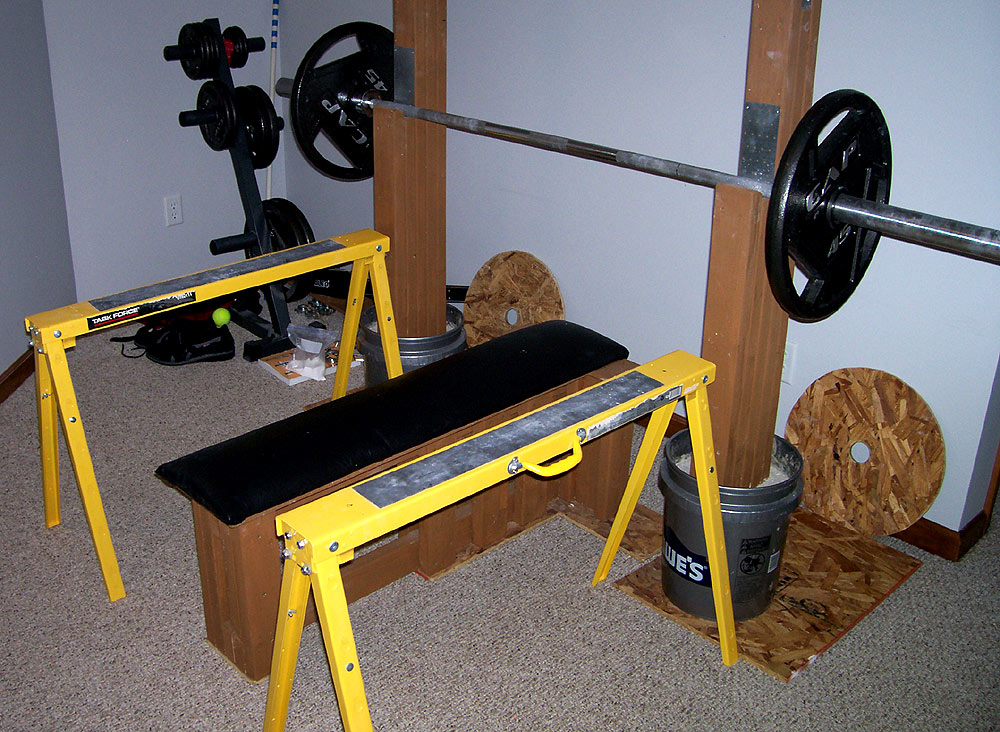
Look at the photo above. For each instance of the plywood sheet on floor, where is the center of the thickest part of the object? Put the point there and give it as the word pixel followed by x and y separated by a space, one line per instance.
pixel 831 578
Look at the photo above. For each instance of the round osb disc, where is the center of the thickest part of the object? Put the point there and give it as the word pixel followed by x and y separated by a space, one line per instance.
pixel 510 291
pixel 873 452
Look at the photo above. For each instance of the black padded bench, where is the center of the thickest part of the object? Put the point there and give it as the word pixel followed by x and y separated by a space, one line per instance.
pixel 239 485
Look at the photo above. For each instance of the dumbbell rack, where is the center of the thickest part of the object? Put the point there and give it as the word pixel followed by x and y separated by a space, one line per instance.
pixel 209 54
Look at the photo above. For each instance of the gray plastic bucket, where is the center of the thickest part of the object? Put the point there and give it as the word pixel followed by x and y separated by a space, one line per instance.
pixel 754 521
pixel 413 352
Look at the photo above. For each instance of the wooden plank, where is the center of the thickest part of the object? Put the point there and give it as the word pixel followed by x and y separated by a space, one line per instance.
pixel 893 485
pixel 831 578
pixel 744 330
pixel 410 176
pixel 384 564
pixel 16 374
pixel 942 541
pixel 489 516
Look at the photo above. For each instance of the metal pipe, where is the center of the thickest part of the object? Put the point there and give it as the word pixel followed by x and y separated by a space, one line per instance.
pixel 576 148
pixel 935 232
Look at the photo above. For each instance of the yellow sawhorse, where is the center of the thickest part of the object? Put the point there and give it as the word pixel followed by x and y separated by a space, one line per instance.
pixel 322 535
pixel 53 331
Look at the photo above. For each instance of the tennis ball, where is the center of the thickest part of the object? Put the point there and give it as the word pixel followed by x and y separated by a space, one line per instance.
pixel 220 316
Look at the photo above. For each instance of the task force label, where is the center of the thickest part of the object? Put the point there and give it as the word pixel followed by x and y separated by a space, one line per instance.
pixel 138 311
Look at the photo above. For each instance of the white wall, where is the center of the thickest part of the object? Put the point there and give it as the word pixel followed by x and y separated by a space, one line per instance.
pixel 37 271
pixel 629 250
pixel 932 319
pixel 122 151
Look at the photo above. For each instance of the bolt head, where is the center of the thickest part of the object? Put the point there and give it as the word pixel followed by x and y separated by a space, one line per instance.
pixel 301 543
pixel 334 546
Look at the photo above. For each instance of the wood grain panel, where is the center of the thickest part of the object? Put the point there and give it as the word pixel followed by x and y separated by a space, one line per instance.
pixel 873 452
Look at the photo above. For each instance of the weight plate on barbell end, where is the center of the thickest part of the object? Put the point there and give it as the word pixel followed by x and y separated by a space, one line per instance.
pixel 288 228
pixel 220 133
pixel 207 50
pixel 235 42
pixel 821 161
pixel 314 107
pixel 261 123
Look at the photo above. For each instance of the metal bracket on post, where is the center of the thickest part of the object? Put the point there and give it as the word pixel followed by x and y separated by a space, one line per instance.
pixel 759 141
pixel 404 75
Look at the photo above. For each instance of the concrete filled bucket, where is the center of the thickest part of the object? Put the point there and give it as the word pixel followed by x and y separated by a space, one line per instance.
pixel 413 352
pixel 754 521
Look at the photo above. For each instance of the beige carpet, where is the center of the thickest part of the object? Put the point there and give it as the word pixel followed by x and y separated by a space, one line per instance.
pixel 515 640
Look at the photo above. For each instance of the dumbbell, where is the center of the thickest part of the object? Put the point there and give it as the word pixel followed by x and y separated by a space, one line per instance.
pixel 199 49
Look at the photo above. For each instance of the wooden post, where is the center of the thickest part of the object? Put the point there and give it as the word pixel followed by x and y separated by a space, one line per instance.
pixel 410 175
pixel 744 329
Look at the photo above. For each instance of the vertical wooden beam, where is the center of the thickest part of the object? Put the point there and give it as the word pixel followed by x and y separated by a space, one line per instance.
pixel 744 329
pixel 410 175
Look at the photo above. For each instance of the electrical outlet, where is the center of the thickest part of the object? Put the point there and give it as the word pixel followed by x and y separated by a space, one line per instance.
pixel 172 210
pixel 788 365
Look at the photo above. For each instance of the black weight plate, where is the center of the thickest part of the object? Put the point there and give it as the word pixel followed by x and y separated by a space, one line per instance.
pixel 303 233
pixel 288 227
pixel 235 43
pixel 853 158
pixel 315 90
pixel 207 50
pixel 219 132
pixel 256 112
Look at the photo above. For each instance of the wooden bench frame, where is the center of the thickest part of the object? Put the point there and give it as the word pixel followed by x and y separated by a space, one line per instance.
pixel 241 568
pixel 322 535
pixel 54 331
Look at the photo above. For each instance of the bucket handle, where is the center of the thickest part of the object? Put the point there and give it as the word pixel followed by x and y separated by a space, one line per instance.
pixel 567 463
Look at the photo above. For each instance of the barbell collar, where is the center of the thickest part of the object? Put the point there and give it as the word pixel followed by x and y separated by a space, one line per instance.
pixel 935 232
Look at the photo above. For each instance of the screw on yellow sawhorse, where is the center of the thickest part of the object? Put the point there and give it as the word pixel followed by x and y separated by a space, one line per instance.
pixel 53 331
pixel 322 535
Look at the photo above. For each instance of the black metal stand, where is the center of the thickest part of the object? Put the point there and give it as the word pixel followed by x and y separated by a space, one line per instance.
pixel 255 239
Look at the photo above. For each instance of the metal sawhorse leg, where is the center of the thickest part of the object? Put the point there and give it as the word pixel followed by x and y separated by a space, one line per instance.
pixel 53 331
pixel 322 535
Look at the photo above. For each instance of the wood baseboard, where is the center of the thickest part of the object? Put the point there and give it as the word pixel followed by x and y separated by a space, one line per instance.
pixel 942 541
pixel 16 374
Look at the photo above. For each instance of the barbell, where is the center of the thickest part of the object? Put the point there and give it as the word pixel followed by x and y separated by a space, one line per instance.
pixel 829 201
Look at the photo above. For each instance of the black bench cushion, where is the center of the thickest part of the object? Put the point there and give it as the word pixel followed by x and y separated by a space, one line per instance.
pixel 245 475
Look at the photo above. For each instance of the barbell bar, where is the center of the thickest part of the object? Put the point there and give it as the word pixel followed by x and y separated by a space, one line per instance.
pixel 935 232
pixel 828 202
